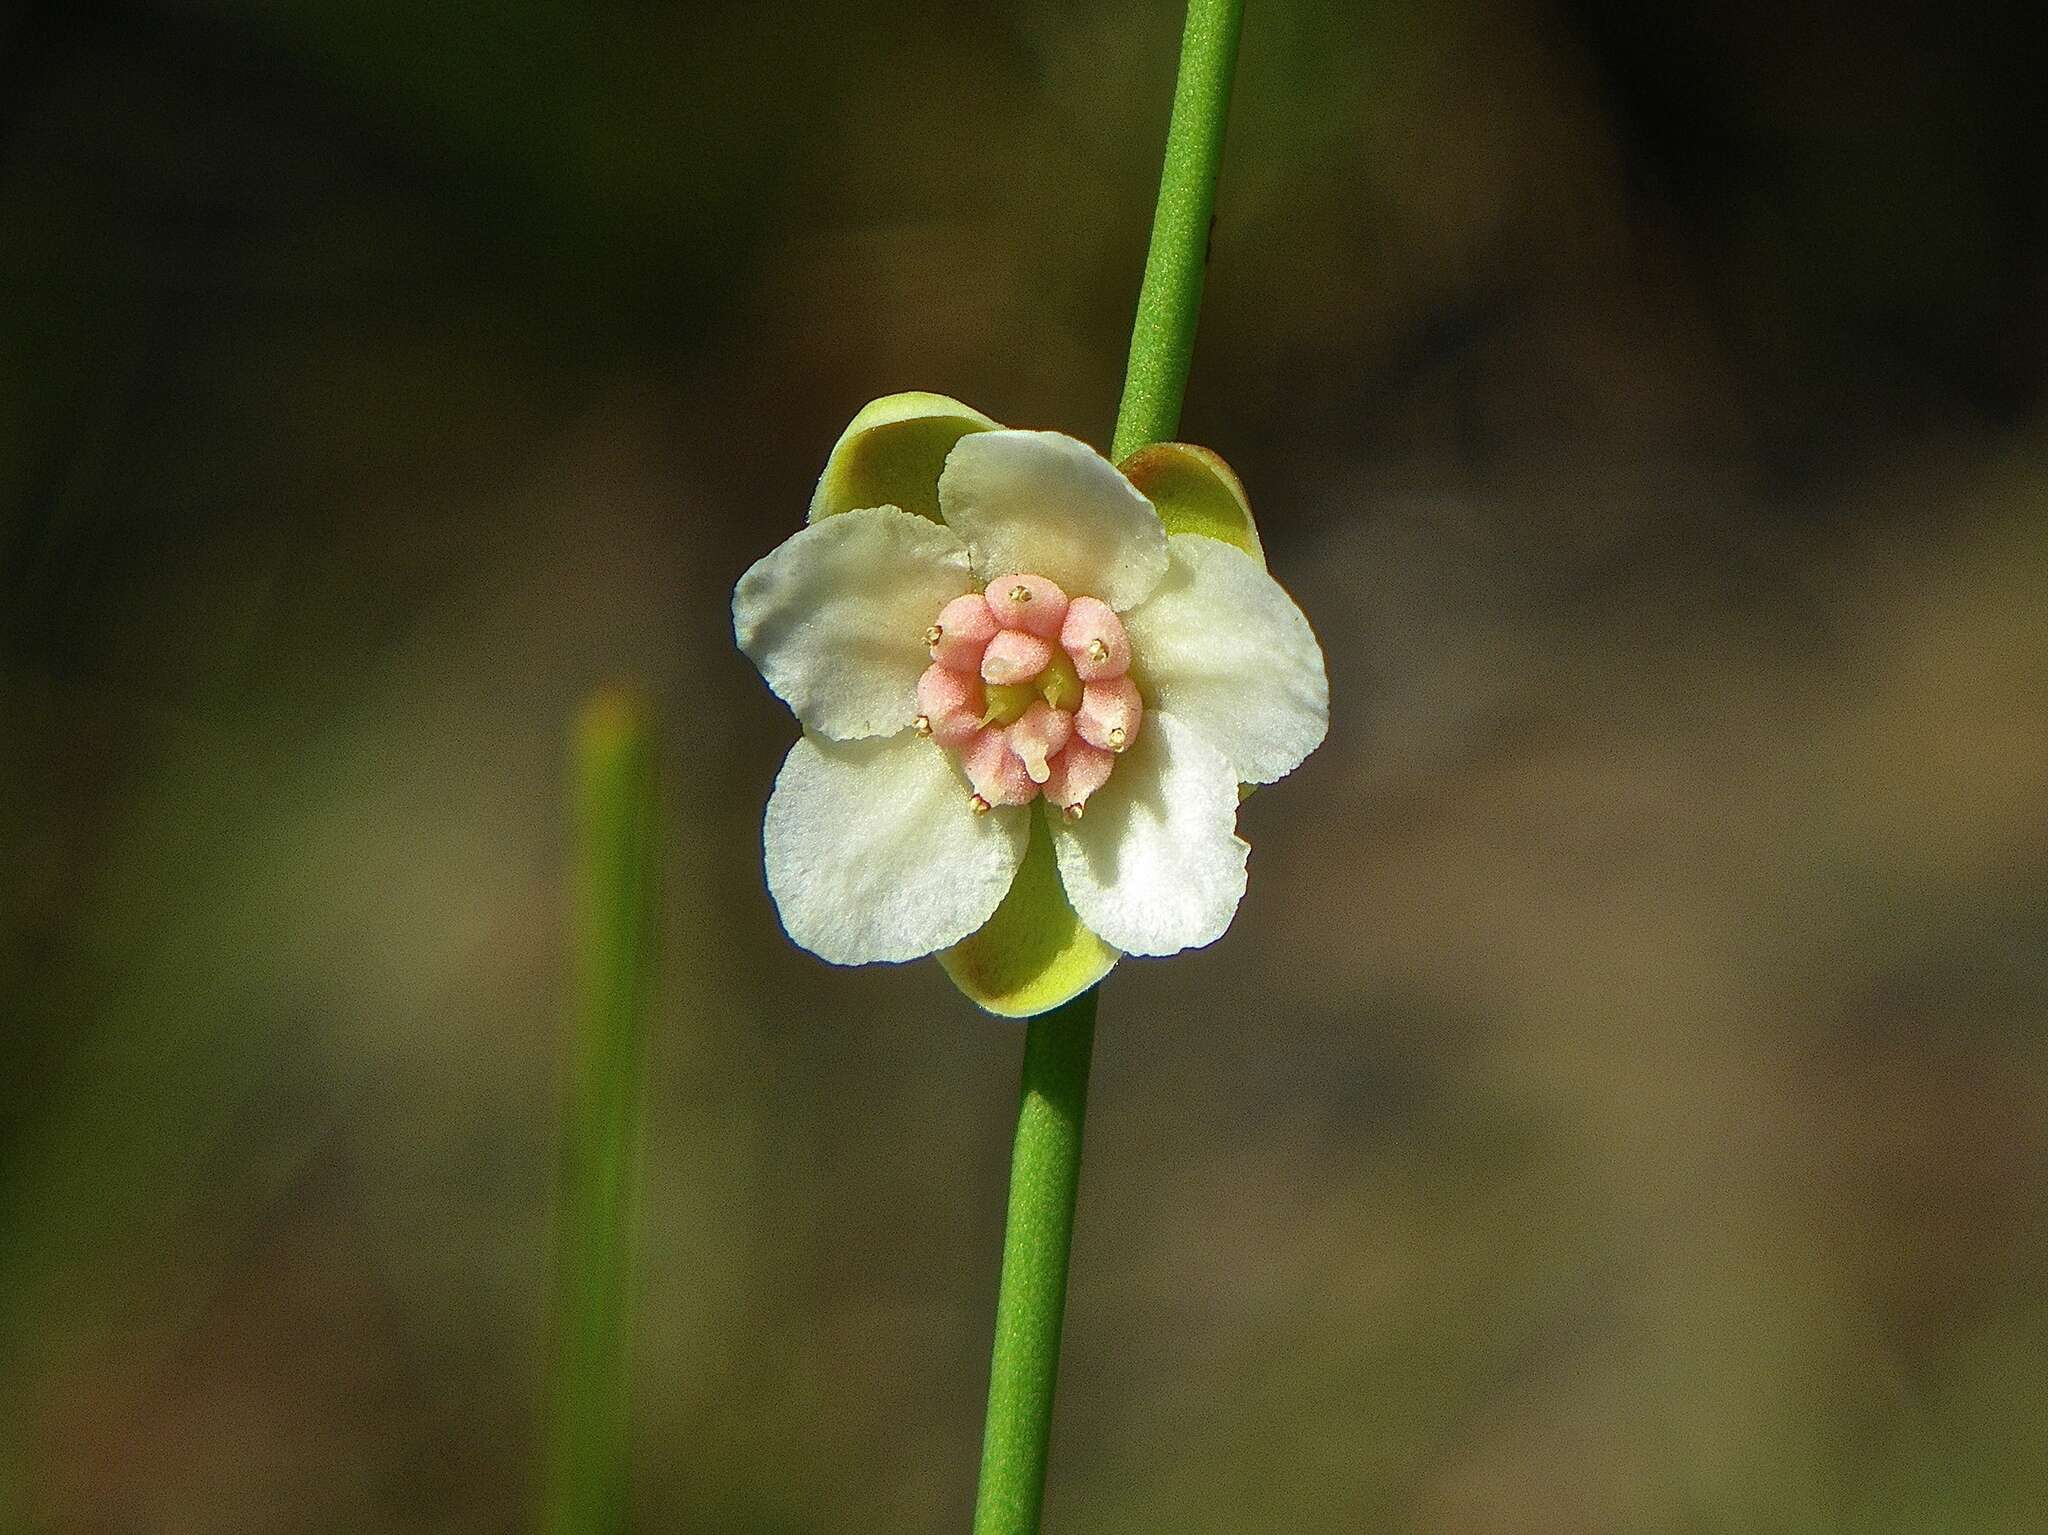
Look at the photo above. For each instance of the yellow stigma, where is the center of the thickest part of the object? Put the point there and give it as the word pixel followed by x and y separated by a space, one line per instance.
pixel 1007 702
pixel 1020 594
pixel 922 725
pixel 978 805
pixel 1059 684
pixel 1072 812
pixel 1098 652
pixel 934 634
pixel 1118 740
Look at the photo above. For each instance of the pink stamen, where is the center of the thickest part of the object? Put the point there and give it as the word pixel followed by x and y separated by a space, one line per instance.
pixel 965 627
pixel 1109 714
pixel 997 773
pixel 1077 773
pixel 951 704
pixel 1041 733
pixel 1030 603
pixel 1014 656
pixel 1094 637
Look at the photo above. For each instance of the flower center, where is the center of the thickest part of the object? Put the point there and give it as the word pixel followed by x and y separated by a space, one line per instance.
pixel 1030 689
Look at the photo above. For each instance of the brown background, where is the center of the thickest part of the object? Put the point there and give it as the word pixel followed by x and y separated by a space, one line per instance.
pixel 1619 1105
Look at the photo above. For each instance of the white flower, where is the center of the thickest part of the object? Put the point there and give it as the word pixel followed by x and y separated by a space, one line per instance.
pixel 996 641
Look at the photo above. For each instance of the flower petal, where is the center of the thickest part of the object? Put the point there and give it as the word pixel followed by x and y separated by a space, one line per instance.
pixel 890 454
pixel 1043 503
pixel 1156 865
pixel 1033 954
pixel 873 854
pixel 835 615
pixel 1224 649
pixel 1195 491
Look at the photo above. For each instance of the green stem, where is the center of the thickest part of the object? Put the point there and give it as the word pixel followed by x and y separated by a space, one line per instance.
pixel 616 859
pixel 1163 337
pixel 1045 1176
pixel 1045 1165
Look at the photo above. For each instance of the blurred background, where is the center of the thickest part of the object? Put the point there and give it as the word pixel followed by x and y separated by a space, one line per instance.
pixel 1622 1102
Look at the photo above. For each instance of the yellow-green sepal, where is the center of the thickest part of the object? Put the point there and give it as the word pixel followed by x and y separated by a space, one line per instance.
pixel 891 453
pixel 1195 492
pixel 1033 954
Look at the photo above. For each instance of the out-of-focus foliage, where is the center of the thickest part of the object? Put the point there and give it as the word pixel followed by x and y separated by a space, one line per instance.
pixel 1618 1106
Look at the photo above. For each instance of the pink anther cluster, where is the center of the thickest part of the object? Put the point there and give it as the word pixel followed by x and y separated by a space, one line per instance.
pixel 1031 690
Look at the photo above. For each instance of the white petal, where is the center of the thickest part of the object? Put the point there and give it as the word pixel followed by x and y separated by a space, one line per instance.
pixel 1040 503
pixel 1156 865
pixel 835 617
pixel 873 854
pixel 1222 647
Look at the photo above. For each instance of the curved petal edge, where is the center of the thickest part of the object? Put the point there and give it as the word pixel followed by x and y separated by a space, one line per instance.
pixel 1156 865
pixel 834 617
pixel 1229 653
pixel 1049 504
pixel 873 856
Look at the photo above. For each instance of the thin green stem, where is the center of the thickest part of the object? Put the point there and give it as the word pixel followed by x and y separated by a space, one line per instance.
pixel 1045 1165
pixel 1163 337
pixel 1045 1177
pixel 616 859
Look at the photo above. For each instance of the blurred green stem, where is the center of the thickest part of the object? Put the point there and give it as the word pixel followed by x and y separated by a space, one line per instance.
pixel 616 858
pixel 1045 1165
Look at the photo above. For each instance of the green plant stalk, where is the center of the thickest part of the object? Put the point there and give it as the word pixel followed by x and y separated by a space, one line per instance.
pixel 1045 1163
pixel 1031 1304
pixel 1170 299
pixel 616 858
